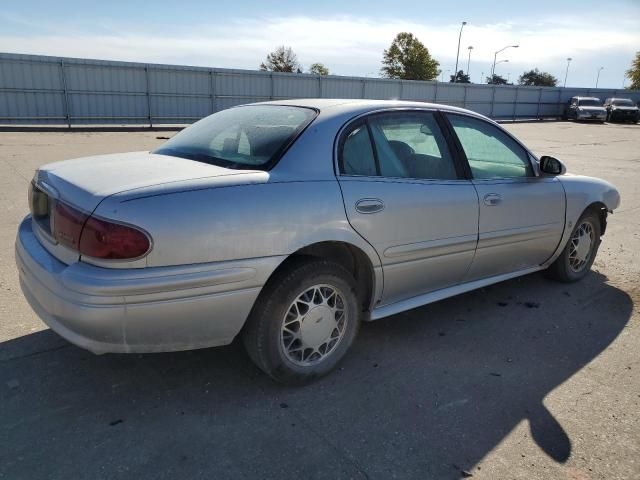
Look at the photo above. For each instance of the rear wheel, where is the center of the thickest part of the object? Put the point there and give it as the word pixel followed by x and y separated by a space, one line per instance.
pixel 304 322
pixel 578 255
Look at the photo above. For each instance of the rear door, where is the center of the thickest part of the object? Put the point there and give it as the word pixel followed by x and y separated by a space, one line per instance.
pixel 406 195
pixel 521 213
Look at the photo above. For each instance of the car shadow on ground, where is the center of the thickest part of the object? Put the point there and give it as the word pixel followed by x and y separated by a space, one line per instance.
pixel 424 394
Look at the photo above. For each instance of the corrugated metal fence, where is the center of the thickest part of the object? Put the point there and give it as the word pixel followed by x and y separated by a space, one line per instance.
pixel 53 90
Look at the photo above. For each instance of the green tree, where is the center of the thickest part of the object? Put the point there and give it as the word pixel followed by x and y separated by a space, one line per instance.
pixel 282 59
pixel 536 78
pixel 496 80
pixel 460 77
pixel 634 73
pixel 318 69
pixel 407 58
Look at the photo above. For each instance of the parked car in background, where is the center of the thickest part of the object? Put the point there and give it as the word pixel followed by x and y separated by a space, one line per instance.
pixel 621 110
pixel 585 109
pixel 289 222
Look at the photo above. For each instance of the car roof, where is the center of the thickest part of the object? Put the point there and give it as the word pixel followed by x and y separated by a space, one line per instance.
pixel 586 98
pixel 358 105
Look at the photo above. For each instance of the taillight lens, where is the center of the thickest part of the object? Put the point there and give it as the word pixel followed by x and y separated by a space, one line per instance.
pixel 97 238
pixel 67 224
pixel 104 239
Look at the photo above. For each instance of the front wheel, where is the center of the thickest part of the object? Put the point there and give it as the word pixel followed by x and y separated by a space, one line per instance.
pixel 304 322
pixel 578 255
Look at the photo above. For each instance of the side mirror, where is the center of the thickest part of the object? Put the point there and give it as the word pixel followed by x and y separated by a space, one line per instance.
pixel 552 166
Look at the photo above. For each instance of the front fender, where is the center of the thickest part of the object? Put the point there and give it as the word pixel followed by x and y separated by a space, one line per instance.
pixel 581 192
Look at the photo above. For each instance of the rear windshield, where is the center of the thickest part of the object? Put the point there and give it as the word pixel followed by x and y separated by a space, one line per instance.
pixel 589 102
pixel 622 102
pixel 248 137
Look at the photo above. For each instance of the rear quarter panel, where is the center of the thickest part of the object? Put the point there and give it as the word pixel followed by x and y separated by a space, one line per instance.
pixel 238 222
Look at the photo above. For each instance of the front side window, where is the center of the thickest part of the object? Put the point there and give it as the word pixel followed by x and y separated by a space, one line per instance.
pixel 491 152
pixel 241 137
pixel 405 145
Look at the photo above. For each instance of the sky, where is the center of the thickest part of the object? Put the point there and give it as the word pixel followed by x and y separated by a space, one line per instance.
pixel 349 37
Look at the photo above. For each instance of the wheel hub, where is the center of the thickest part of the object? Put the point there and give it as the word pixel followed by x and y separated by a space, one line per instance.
pixel 316 326
pixel 583 248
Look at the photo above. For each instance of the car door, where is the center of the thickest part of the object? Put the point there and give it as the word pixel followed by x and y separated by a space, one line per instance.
pixel 404 192
pixel 521 213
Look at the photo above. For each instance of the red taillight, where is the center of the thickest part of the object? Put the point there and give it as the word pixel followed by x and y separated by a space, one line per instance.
pixel 67 225
pixel 104 239
pixel 96 237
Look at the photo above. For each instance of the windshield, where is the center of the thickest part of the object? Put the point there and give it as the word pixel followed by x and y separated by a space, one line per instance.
pixel 241 137
pixel 589 102
pixel 622 102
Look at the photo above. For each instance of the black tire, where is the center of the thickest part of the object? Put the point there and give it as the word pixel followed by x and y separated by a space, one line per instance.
pixel 262 334
pixel 561 269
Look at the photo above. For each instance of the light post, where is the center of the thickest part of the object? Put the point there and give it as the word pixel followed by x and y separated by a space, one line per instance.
pixel 567 71
pixel 458 54
pixel 598 77
pixel 495 56
pixel 494 68
pixel 481 77
pixel 469 60
pixel 508 77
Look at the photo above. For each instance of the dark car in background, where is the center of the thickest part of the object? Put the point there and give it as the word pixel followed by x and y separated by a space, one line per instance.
pixel 585 108
pixel 621 110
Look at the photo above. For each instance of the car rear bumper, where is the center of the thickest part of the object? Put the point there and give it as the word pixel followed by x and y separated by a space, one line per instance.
pixel 139 310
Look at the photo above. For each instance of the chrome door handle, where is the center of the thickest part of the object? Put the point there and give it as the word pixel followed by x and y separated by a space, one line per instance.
pixel 369 205
pixel 492 199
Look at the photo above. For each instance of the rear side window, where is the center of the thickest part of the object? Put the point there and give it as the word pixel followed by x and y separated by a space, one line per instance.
pixel 411 145
pixel 397 145
pixel 242 137
pixel 357 153
pixel 491 152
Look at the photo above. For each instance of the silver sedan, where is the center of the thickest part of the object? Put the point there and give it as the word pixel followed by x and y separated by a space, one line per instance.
pixel 290 222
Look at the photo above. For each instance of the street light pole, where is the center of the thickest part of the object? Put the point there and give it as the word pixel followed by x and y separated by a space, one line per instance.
pixel 567 71
pixel 598 77
pixel 455 74
pixel 469 60
pixel 494 68
pixel 495 56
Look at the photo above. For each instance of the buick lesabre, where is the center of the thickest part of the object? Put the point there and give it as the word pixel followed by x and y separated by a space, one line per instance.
pixel 288 223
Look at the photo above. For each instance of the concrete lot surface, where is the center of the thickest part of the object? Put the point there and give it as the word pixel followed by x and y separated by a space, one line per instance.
pixel 528 379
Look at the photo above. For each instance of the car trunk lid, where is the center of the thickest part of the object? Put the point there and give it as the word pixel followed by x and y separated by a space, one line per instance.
pixel 85 182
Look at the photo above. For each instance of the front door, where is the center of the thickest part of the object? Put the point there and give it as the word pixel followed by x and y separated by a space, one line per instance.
pixel 521 214
pixel 404 193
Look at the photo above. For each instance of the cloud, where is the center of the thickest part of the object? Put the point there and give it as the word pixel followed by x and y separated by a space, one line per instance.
pixel 348 45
